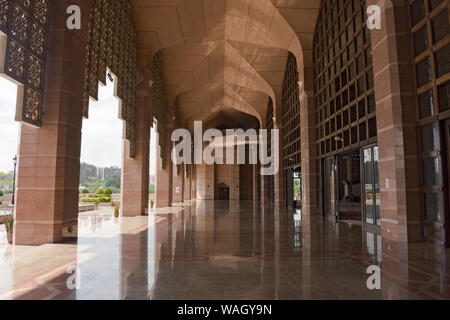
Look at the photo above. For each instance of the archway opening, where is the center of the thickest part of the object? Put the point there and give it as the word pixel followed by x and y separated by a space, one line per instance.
pixel 152 166
pixel 9 138
pixel 101 150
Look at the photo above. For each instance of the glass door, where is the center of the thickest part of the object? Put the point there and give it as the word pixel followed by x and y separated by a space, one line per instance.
pixel 371 186
pixel 330 188
pixel 447 216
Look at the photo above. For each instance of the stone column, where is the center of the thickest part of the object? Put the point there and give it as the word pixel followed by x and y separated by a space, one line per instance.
pixel 135 172
pixel 396 117
pixel 308 143
pixel 49 157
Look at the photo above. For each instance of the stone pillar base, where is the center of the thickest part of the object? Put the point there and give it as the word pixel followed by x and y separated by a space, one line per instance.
pixel 37 233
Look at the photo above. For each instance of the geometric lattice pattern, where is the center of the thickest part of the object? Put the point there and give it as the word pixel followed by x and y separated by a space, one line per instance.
pixel 25 24
pixel 430 31
pixel 291 115
pixel 343 78
pixel 112 45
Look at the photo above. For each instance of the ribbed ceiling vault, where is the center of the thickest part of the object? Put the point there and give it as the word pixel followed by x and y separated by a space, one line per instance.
pixel 221 55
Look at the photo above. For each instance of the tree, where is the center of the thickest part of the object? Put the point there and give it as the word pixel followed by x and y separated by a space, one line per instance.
pixel 108 192
pixel 94 184
pixel 84 191
pixel 113 182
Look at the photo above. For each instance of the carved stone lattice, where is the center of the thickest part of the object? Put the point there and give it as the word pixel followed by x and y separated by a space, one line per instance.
pixel 291 115
pixel 112 45
pixel 159 102
pixel 25 24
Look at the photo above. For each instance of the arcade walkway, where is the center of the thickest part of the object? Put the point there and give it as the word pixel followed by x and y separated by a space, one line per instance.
pixel 219 251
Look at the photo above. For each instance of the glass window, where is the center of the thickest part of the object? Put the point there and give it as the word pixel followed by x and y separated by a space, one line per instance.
pixel 442 57
pixel 417 11
pixel 420 41
pixel 444 96
pixel 429 138
pixel 368 181
pixel 431 204
pixel 377 188
pixel 435 3
pixel 426 104
pixel 423 72
pixel 440 26
pixel 431 172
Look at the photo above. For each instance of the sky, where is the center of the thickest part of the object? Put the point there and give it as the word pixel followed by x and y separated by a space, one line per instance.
pixel 9 129
pixel 101 143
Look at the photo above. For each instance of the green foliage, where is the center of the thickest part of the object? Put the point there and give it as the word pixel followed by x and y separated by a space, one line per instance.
pixel 96 200
pixel 1 193
pixel 84 191
pixel 99 192
pixel 107 192
pixel 113 182
pixel 6 180
pixel 117 208
pixel 115 190
pixel 94 184
pixel 152 203
pixel 9 224
pixel 90 200
pixel 151 189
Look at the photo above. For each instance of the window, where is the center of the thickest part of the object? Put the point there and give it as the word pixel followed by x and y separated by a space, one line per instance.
pixel 349 102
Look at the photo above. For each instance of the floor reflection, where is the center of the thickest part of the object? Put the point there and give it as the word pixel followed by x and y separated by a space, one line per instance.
pixel 221 250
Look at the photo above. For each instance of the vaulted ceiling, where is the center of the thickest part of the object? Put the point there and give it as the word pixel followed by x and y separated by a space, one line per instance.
pixel 224 55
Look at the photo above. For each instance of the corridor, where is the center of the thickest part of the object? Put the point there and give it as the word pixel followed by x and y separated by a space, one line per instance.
pixel 220 250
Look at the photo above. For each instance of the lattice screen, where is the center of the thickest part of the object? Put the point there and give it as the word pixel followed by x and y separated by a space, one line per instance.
pixel 291 115
pixel 269 125
pixel 25 24
pixel 344 81
pixel 431 47
pixel 112 44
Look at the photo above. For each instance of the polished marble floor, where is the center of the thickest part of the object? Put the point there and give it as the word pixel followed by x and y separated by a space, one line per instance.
pixel 216 250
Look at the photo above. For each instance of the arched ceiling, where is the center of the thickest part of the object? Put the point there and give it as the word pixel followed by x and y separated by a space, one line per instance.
pixel 224 54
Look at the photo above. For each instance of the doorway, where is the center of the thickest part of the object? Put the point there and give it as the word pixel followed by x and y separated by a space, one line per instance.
pixel 297 188
pixel 447 215
pixel 330 188
pixel 371 186
pixel 350 187
pixel 224 193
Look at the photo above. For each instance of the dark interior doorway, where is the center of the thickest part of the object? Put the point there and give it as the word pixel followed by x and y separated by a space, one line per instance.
pixel 350 186
pixel 222 192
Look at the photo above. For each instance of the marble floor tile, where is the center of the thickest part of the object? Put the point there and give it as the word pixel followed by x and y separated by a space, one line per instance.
pixel 213 250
